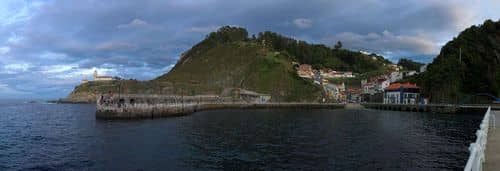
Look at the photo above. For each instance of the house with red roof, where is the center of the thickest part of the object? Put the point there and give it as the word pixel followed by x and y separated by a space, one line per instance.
pixel 305 71
pixel 398 93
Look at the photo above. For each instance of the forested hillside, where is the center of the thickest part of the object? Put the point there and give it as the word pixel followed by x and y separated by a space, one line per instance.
pixel 321 56
pixel 467 65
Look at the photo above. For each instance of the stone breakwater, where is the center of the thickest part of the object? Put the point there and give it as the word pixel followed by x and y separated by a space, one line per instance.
pixel 154 106
pixel 165 110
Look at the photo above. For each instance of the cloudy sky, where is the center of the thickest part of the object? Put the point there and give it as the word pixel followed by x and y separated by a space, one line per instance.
pixel 48 46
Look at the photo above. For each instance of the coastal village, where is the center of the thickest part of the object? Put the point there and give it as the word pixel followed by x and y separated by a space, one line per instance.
pixel 383 88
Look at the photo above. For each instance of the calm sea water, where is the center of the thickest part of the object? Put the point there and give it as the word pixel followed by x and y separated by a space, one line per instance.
pixel 68 137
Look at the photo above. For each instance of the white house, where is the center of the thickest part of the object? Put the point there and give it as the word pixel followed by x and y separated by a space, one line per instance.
pixel 381 84
pixel 373 87
pixel 423 68
pixel 348 75
pixel 410 73
pixel 396 76
pixel 369 88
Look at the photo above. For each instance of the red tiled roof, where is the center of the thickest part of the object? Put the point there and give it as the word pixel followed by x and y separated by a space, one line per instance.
pixel 399 85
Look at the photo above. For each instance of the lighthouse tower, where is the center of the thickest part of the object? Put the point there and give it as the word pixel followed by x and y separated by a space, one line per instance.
pixel 95 74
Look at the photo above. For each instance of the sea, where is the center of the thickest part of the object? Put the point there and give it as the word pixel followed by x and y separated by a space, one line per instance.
pixel 42 136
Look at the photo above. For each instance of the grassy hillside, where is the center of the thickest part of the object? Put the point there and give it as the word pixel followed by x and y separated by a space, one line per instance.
pixel 240 64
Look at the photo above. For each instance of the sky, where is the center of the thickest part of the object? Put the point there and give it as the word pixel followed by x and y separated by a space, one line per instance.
pixel 47 47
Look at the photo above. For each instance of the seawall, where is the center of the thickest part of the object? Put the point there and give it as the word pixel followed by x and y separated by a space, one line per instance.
pixel 165 110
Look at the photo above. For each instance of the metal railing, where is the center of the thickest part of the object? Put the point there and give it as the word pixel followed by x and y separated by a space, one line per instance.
pixel 477 156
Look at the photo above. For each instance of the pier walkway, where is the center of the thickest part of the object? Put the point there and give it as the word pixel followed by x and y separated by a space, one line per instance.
pixel 492 152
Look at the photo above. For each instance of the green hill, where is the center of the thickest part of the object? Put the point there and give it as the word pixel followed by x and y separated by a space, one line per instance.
pixel 229 58
pixel 468 64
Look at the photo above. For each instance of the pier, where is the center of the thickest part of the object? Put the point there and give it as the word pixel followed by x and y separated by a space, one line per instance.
pixel 153 106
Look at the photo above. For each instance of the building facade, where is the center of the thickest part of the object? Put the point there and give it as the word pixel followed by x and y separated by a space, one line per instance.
pixel 396 76
pixel 402 94
pixel 305 71
pixel 102 77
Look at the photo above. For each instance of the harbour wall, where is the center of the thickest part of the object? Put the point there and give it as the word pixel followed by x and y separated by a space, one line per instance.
pixel 154 106
pixel 165 110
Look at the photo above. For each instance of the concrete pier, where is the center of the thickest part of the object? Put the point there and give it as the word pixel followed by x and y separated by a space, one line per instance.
pixel 492 152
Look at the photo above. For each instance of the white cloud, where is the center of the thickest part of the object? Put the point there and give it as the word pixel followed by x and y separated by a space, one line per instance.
pixel 14 38
pixel 135 23
pixel 15 68
pixel 53 56
pixel 205 29
pixel 3 87
pixel 14 11
pixel 387 42
pixel 73 72
pixel 302 23
pixel 4 50
pixel 55 69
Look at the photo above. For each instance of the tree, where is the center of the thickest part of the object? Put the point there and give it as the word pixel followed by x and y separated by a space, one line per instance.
pixel 338 45
pixel 409 64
